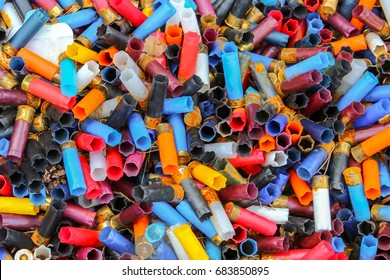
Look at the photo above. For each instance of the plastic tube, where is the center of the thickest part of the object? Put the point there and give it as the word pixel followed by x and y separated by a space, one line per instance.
pixel 47 91
pixel 73 168
pixel 223 149
pixel 269 193
pixel 168 214
pixel 98 165
pixel 384 177
pixel 276 125
pixel 110 136
pixel 115 241
pixel 250 220
pixel 188 21
pixel 231 68
pixel 155 21
pixel 219 219
pixel 318 62
pixel 9 13
pixel 26 32
pixel 301 189
pixel 370 146
pixel 368 247
pixel 205 226
pixel 207 175
pixel 86 74
pixel 314 160
pixel 321 203
pixel 134 84
pixel 139 132
pixel 373 114
pixel 61 192
pixel 353 179
pixel 278 215
pixel 190 243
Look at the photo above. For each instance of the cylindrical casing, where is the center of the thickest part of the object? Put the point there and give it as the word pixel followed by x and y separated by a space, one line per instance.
pixel 354 181
pixel 51 149
pixel 190 243
pixel 114 164
pixel 238 192
pixel 18 139
pixel 250 220
pixel 49 223
pixel 168 214
pixel 301 82
pixel 86 74
pixel 12 238
pixel 68 77
pixel 192 193
pixel 74 173
pixel 318 62
pixel 177 246
pixel 189 21
pixel 179 133
pixel 206 226
pixel 368 247
pixel 79 215
pixel 20 222
pixel 157 96
pixel 128 11
pixel 133 164
pixel 89 142
pixel 342 25
pixel 88 104
pixel 47 91
pixel 380 213
pixel 115 241
pixel 134 48
pixel 38 65
pixel 134 84
pixel 129 215
pixel 322 251
pixel 79 19
pixel 79 237
pixel 139 132
pixel 231 68
pixel 371 146
pixel 339 164
pixel 301 188
pixel 371 178
pixel 207 175
pixel 88 253
pixel 151 193
pixel 314 160
pixel 189 55
pixel 57 114
pixel 153 67
pixel 89 35
pixel 321 203
pixel 219 218
pixel 110 136
pixel 10 15
pixel 80 53
pixel 357 92
pixel 278 215
pixel 26 32
pixel 272 244
pixel 93 190
pixel 98 165
pixel 202 69
pixel 257 157
pixel 167 148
